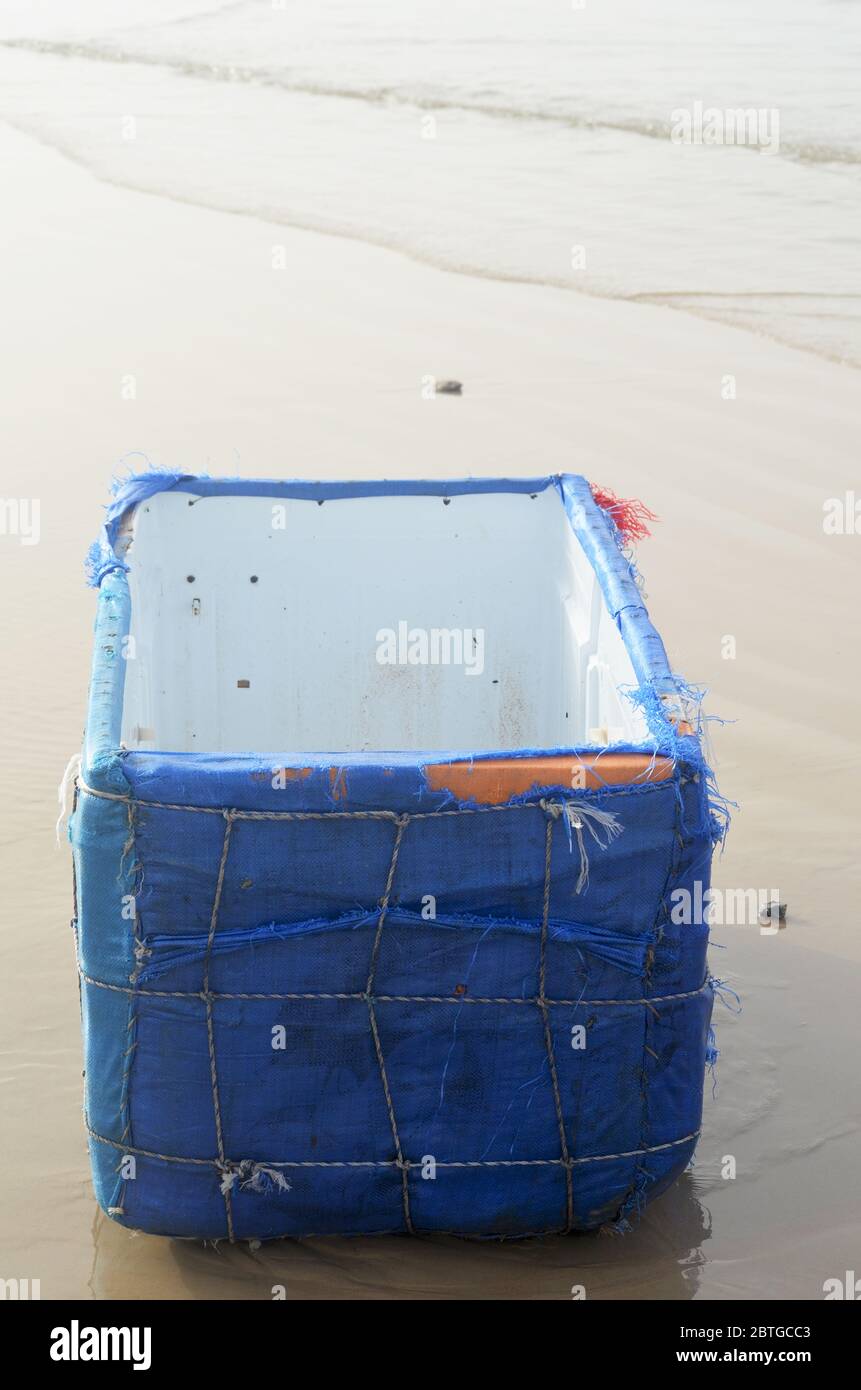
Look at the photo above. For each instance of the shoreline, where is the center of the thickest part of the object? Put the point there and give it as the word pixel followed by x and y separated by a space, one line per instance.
pixel 686 241
pixel 646 299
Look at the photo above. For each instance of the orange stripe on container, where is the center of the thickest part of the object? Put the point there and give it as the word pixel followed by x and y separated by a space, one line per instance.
pixel 495 780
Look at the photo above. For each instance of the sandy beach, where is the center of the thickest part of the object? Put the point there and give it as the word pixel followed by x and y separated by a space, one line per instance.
pixel 140 329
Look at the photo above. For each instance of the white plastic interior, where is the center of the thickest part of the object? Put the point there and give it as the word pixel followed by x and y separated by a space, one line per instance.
pixel 256 627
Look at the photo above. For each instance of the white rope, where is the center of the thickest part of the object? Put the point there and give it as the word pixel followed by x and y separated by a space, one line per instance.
pixel 603 826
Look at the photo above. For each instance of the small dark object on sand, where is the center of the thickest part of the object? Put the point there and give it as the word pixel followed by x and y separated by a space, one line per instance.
pixel 773 911
pixel 448 388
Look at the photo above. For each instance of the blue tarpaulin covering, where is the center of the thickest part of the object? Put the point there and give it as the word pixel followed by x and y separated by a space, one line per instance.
pixel 280 1041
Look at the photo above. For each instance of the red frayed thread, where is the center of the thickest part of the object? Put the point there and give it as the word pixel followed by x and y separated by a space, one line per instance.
pixel 629 514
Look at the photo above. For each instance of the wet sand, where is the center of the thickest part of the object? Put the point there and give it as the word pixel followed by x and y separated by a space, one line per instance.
pixel 316 370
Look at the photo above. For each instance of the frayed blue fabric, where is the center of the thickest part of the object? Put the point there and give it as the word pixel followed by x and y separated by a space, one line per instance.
pixel 344 1001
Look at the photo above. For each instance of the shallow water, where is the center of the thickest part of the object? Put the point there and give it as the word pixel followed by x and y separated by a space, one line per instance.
pixel 527 142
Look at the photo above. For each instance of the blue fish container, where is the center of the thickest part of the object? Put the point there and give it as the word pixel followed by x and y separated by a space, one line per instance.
pixel 387 795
